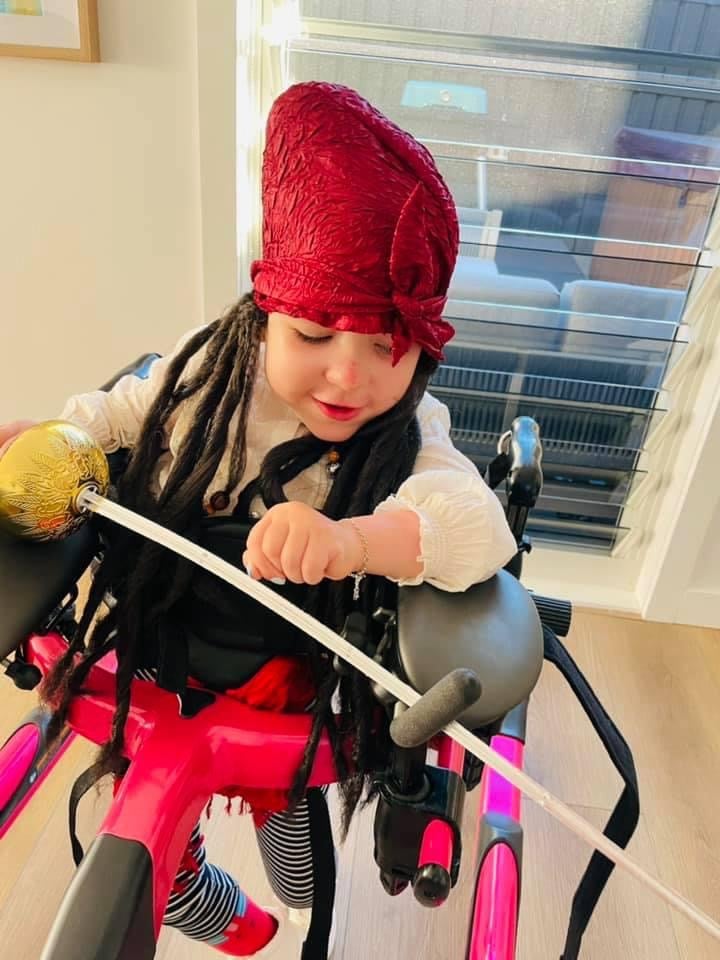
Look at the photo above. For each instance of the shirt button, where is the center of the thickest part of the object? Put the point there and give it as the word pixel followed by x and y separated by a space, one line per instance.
pixel 219 501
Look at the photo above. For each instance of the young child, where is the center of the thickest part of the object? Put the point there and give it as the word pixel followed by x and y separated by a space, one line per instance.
pixel 304 407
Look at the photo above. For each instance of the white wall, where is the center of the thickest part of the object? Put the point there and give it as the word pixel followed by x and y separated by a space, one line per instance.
pixel 116 229
pixel 680 577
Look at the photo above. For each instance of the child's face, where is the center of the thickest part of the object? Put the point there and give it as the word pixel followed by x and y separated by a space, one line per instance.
pixel 335 381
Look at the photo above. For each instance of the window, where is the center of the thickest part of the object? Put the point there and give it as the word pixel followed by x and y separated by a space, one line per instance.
pixel 582 146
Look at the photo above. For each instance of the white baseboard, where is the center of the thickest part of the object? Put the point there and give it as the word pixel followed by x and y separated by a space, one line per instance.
pixel 699 608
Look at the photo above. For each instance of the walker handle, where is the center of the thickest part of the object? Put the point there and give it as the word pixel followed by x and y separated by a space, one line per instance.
pixel 443 703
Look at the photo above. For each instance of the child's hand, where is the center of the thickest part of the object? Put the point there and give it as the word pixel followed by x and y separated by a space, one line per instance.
pixel 297 543
pixel 8 432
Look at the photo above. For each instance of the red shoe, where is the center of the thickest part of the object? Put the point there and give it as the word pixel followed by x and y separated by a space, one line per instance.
pixel 286 943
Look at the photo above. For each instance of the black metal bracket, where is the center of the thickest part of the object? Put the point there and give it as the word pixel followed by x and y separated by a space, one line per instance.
pixel 401 821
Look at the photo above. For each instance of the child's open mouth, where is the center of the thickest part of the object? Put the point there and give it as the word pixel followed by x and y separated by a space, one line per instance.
pixel 336 412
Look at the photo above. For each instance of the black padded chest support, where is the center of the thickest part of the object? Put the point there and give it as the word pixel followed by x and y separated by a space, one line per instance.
pixel 35 578
pixel 229 635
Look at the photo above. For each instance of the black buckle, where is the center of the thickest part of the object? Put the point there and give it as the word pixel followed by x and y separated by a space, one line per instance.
pixel 24 675
pixel 64 613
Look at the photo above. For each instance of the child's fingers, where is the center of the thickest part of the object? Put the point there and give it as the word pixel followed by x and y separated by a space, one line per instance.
pixel 293 551
pixel 269 545
pixel 255 556
pixel 314 562
pixel 257 531
pixel 257 567
pixel 292 543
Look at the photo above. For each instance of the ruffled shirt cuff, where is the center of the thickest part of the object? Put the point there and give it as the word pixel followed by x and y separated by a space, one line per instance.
pixel 464 535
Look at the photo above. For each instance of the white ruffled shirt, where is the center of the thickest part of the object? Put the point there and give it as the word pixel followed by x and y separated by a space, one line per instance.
pixel 464 534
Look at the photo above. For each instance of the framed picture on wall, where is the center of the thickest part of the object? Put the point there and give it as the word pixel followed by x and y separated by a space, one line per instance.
pixel 49 29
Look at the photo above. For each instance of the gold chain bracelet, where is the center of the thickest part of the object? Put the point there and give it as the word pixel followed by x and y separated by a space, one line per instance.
pixel 359 575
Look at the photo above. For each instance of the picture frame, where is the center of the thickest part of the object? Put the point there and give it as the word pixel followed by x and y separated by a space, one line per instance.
pixel 50 29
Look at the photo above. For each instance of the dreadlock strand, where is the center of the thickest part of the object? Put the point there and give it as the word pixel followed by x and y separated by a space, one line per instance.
pixel 163 404
pixel 55 678
pixel 69 684
pixel 225 393
pixel 323 699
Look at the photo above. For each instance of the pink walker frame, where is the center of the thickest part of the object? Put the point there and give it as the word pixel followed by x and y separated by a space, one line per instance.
pixel 225 745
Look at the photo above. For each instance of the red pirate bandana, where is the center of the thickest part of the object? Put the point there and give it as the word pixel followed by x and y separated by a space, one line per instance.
pixel 360 231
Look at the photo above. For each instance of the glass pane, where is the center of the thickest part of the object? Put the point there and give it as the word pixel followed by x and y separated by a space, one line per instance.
pixel 484 418
pixel 603 487
pixel 578 510
pixel 528 109
pixel 567 533
pixel 632 366
pixel 637 24
pixel 544 272
pixel 546 325
pixel 577 207
pixel 570 464
pixel 523 380
pixel 585 463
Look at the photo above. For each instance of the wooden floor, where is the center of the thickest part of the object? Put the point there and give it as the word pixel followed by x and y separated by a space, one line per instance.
pixel 662 686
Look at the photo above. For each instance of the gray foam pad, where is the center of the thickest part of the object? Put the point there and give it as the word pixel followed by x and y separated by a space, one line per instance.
pixel 492 629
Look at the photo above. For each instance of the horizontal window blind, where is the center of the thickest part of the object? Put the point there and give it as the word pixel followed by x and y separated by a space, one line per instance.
pixel 582 147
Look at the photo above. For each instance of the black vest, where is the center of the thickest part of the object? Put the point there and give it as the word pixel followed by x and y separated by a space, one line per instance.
pixel 216 633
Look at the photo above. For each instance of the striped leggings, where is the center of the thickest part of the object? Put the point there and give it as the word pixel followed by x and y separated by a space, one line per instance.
pixel 206 898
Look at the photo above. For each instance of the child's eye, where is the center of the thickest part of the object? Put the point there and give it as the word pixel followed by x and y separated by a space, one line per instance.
pixel 384 348
pixel 306 339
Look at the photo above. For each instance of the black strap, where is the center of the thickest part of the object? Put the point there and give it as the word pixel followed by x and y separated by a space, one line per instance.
pixel 497 470
pixel 323 866
pixel 172 656
pixel 87 779
pixel 624 818
pixel 264 487
pixel 241 510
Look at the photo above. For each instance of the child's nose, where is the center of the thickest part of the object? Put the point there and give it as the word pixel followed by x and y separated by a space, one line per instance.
pixel 344 374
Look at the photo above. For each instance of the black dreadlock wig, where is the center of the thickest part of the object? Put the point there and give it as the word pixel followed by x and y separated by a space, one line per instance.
pixel 375 461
